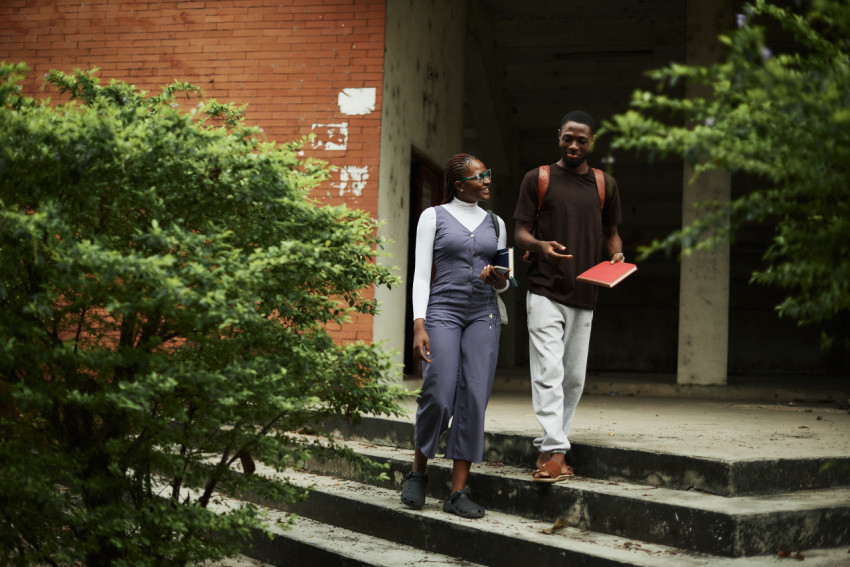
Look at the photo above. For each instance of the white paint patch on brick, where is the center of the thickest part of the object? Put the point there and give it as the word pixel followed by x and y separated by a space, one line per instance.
pixel 352 179
pixel 357 101
pixel 331 137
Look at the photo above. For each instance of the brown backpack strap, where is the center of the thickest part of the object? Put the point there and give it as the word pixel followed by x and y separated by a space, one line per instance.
pixel 600 186
pixel 542 184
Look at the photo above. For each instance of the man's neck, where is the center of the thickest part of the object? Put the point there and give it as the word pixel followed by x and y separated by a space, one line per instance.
pixel 580 170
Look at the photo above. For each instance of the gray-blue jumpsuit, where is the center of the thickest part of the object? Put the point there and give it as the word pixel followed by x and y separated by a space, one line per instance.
pixel 463 327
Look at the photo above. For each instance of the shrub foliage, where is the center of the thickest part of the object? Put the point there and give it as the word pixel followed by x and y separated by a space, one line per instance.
pixel 165 289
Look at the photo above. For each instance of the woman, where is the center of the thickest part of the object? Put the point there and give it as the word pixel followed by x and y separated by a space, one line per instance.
pixel 456 328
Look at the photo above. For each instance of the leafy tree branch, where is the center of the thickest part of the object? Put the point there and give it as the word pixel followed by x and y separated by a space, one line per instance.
pixel 784 120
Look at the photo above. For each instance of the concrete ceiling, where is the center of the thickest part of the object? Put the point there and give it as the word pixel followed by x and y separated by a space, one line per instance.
pixel 591 55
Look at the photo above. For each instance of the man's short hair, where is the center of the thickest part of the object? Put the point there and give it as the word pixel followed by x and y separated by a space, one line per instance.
pixel 581 117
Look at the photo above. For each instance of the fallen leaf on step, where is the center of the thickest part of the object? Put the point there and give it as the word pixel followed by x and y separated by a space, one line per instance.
pixel 558 525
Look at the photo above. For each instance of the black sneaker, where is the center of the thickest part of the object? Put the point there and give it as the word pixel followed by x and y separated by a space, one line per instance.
pixel 461 504
pixel 413 493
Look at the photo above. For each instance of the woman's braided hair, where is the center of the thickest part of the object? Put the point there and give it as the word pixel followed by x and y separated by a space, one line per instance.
pixel 456 169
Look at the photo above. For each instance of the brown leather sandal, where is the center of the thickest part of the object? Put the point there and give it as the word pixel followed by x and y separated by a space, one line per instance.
pixel 553 472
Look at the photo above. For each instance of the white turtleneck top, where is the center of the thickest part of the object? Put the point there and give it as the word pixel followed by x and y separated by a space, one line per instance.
pixel 470 216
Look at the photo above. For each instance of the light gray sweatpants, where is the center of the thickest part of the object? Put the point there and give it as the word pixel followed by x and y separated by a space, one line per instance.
pixel 558 340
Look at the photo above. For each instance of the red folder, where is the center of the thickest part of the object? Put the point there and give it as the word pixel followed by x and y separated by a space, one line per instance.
pixel 607 274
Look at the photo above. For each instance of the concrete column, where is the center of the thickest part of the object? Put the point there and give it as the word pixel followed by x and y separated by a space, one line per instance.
pixel 704 283
pixel 704 293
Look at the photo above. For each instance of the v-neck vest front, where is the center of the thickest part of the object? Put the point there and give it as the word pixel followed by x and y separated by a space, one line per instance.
pixel 459 257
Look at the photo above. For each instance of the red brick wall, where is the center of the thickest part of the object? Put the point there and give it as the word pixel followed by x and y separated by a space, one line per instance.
pixel 288 61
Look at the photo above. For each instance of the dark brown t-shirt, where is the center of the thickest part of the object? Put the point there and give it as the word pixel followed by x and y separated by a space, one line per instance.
pixel 569 215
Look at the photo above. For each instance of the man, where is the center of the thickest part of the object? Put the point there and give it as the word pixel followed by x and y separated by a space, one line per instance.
pixel 564 243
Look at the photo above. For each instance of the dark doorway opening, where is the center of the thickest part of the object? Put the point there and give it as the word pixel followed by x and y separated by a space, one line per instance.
pixel 426 190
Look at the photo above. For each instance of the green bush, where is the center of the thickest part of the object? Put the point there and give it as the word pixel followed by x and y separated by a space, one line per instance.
pixel 783 119
pixel 165 288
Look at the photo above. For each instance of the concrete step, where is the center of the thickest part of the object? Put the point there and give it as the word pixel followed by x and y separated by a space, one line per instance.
pixel 609 460
pixel 773 388
pixel 311 543
pixel 292 541
pixel 690 520
pixel 497 540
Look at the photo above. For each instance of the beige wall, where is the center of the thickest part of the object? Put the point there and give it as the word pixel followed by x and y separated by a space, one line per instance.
pixel 422 109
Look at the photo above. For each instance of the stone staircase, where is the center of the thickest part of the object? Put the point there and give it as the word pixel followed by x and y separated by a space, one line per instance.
pixel 627 507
